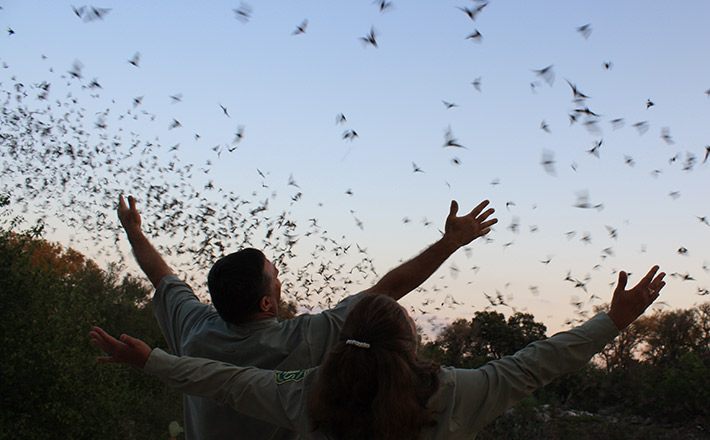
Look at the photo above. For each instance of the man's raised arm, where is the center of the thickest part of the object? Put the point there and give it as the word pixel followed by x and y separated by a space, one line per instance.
pixel 458 232
pixel 153 265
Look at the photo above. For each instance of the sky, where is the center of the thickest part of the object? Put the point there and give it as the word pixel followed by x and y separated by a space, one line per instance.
pixel 229 67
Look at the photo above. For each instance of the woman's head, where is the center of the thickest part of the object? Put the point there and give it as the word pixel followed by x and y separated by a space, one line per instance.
pixel 381 322
pixel 376 387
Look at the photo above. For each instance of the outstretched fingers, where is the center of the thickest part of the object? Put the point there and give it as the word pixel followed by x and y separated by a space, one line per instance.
pixel 130 341
pixel 487 214
pixel 481 217
pixel 122 203
pixel 102 339
pixel 650 285
pixel 654 288
pixel 621 284
pixel 105 342
pixel 478 209
pixel 489 223
pixel 658 283
pixel 646 280
pixel 132 203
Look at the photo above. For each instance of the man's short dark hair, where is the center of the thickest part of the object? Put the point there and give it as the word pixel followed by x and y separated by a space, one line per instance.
pixel 237 283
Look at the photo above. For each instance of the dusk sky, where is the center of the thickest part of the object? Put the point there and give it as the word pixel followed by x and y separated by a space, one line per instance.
pixel 581 186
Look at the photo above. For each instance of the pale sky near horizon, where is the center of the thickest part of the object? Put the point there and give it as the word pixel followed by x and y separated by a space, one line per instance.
pixel 286 90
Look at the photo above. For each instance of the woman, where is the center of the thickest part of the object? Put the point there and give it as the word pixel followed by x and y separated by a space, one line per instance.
pixel 373 386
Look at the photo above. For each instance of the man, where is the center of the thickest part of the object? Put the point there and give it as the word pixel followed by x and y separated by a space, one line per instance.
pixel 242 328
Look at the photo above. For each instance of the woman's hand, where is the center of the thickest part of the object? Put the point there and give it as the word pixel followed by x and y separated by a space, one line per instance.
pixel 127 350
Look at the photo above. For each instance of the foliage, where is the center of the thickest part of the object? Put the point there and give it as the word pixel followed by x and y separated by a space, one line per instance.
pixel 683 388
pixel 50 383
pixel 470 344
pixel 520 423
pixel 669 336
pixel 534 423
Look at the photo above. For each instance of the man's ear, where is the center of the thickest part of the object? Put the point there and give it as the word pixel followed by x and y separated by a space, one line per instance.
pixel 264 304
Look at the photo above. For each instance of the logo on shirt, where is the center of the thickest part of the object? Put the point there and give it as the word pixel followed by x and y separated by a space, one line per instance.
pixel 289 376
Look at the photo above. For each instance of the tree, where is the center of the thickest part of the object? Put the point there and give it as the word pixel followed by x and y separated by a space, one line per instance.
pixel 455 342
pixel 623 351
pixel 470 344
pixel 703 320
pixel 670 335
pixel 50 383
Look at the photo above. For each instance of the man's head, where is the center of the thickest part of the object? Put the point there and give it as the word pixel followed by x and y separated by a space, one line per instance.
pixel 244 285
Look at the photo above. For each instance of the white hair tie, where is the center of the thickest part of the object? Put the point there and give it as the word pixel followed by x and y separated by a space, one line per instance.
pixel 358 344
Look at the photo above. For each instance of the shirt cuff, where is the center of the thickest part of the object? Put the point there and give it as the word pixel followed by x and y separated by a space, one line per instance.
pixel 601 327
pixel 158 359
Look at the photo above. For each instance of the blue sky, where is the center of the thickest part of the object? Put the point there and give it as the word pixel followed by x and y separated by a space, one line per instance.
pixel 286 90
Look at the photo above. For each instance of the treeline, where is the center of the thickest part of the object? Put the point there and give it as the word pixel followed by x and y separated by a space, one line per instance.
pixel 656 372
pixel 51 385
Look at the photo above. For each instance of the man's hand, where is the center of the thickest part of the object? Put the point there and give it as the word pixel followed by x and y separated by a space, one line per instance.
pixel 627 305
pixel 149 259
pixel 126 351
pixel 128 215
pixel 463 230
pixel 458 231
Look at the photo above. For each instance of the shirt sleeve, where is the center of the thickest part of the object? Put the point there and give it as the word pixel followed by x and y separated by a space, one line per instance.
pixel 268 395
pixel 177 309
pixel 485 393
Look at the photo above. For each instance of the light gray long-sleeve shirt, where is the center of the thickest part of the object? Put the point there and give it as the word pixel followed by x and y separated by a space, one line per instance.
pixel 466 400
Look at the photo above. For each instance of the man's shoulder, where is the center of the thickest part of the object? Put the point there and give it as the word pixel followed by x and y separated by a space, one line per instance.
pixel 348 302
pixel 171 287
pixel 175 302
pixel 172 281
pixel 353 298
